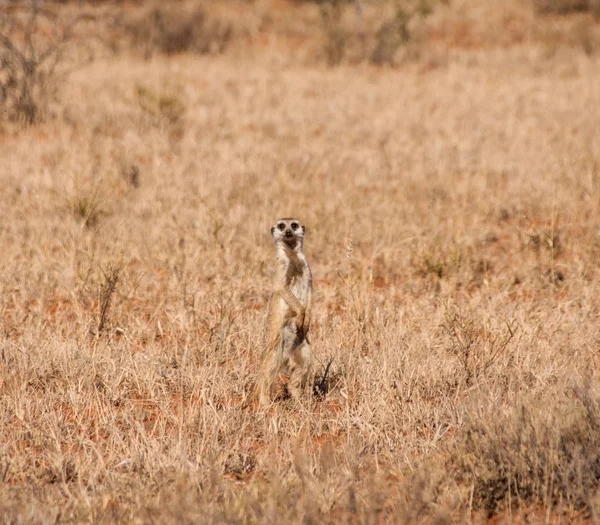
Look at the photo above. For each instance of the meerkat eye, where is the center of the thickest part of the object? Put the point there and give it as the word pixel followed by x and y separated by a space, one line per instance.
pixel 281 226
pixel 294 225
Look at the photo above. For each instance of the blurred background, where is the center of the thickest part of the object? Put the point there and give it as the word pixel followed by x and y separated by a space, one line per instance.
pixel 57 37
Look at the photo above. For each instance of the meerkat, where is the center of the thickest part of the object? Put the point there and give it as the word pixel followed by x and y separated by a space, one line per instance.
pixel 287 348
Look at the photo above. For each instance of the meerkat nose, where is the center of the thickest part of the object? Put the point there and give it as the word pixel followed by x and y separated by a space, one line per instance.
pixel 288 233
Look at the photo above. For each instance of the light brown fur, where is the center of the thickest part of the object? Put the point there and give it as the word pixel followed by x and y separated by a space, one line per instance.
pixel 287 348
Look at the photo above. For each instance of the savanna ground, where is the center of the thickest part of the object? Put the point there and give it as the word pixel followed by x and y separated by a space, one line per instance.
pixel 452 201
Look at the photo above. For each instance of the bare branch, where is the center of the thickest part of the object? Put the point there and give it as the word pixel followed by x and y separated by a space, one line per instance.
pixel 30 30
pixel 31 63
pixel 6 42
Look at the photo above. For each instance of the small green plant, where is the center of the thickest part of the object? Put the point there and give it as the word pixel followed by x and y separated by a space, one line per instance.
pixel 86 205
pixel 165 105
pixel 87 209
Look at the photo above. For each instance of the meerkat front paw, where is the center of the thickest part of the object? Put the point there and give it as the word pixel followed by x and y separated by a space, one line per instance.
pixel 300 320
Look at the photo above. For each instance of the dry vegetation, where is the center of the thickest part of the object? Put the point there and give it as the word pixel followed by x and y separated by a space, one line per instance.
pixel 453 207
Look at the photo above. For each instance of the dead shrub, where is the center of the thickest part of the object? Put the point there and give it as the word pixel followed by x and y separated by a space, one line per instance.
pixel 397 31
pixel 564 7
pixel 586 35
pixel 322 383
pixel 110 278
pixel 536 455
pixel 335 35
pixel 38 49
pixel 390 36
pixel 376 40
pixel 176 30
pixel 476 346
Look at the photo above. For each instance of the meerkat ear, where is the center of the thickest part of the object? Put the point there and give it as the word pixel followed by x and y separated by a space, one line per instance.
pixel 303 229
pixel 272 230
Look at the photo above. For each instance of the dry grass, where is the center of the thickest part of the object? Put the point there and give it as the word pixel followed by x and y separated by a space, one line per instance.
pixel 453 213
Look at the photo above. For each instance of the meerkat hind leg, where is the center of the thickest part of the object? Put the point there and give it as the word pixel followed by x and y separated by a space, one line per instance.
pixel 300 366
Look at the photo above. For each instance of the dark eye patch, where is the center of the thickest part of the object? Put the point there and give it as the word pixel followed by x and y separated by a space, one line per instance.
pixel 281 226
pixel 294 225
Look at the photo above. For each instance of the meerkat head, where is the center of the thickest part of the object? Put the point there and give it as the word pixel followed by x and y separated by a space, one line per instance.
pixel 288 231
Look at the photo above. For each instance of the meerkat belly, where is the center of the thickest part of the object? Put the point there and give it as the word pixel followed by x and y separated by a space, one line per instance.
pixel 299 286
pixel 300 289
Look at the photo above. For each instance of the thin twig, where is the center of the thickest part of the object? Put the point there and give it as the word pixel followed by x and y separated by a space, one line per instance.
pixel 110 285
